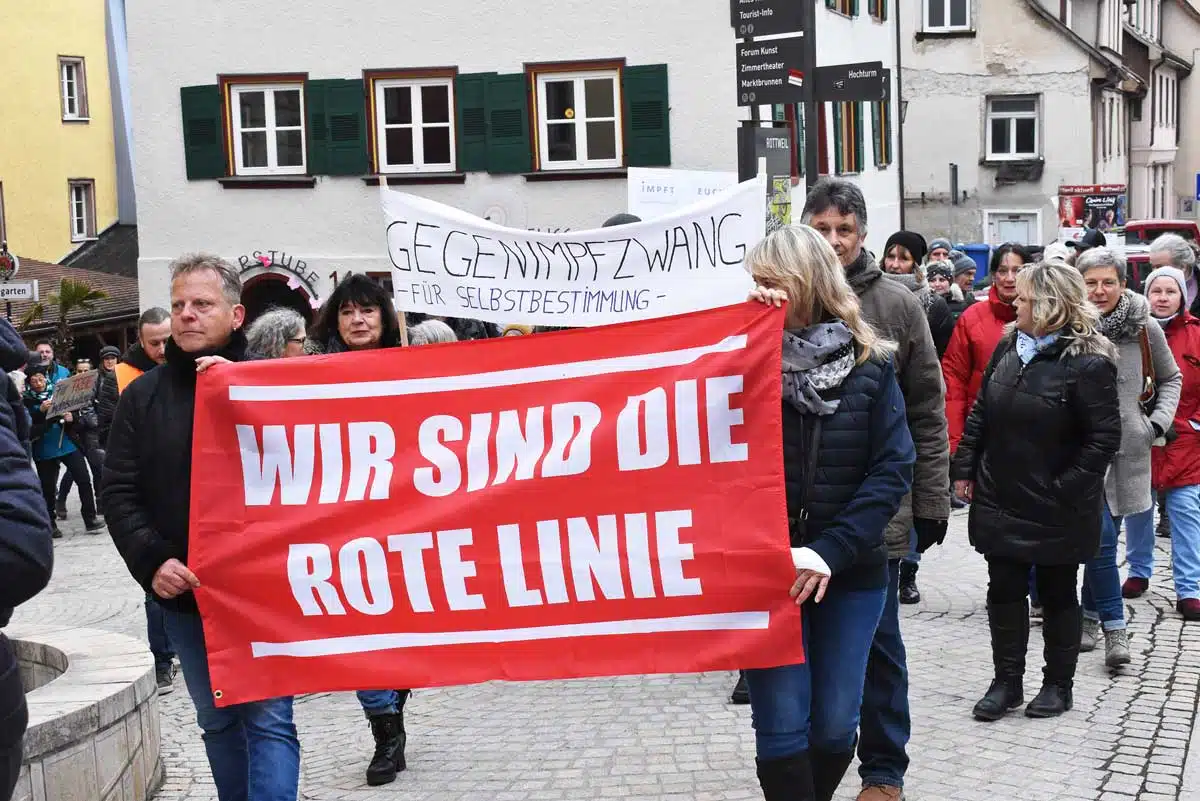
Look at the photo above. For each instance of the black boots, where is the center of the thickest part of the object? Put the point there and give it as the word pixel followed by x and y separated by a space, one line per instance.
pixel 390 739
pixel 909 594
pixel 1061 630
pixel 828 768
pixel 787 779
pixel 741 693
pixel 1009 624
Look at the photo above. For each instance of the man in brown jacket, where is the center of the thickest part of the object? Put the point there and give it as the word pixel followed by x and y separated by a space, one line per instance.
pixel 837 210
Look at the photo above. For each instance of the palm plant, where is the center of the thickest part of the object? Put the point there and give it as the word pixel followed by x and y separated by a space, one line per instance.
pixel 72 296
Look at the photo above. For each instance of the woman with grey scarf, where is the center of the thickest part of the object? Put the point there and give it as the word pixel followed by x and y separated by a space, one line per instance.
pixel 848 459
pixel 1149 394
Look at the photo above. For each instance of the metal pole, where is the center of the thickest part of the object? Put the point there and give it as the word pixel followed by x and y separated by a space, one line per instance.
pixel 812 123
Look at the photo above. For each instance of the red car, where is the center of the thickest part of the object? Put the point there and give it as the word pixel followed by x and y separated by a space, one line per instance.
pixel 1139 234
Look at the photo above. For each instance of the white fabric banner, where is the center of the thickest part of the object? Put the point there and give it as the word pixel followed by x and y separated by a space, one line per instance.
pixel 658 191
pixel 448 263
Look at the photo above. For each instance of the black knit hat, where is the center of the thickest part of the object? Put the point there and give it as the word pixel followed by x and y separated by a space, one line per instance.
pixel 621 219
pixel 911 241
pixel 110 350
pixel 943 268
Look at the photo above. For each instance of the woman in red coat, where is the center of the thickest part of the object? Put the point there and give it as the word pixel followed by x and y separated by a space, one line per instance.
pixel 1176 468
pixel 976 335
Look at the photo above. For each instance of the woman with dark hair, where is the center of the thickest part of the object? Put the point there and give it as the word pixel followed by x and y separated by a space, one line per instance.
pixel 357 315
pixel 976 335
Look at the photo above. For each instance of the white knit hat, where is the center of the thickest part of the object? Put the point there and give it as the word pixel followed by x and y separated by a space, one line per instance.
pixel 1173 273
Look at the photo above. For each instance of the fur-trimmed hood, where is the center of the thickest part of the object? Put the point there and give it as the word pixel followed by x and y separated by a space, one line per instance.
pixel 1137 319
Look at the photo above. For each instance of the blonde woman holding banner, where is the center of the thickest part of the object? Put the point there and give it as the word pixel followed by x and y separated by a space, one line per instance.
pixel 848 460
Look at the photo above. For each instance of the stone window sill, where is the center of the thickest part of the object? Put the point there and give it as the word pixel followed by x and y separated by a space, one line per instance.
pixel 415 178
pixel 576 175
pixel 921 36
pixel 268 182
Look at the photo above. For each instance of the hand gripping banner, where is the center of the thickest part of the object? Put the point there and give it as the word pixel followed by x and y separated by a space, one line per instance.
pixel 582 503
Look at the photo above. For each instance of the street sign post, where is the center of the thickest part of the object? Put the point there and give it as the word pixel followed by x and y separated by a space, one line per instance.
pixel 19 290
pixel 771 71
pixel 839 83
pixel 766 17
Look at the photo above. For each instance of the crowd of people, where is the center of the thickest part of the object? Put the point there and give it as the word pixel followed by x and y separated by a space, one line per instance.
pixel 1054 399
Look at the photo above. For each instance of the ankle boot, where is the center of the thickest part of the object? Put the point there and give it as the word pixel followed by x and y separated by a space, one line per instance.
pixel 390 739
pixel 909 594
pixel 1009 624
pixel 741 693
pixel 1061 632
pixel 786 779
pixel 828 768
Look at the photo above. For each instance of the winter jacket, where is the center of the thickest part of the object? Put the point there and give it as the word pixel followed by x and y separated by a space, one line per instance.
pixel 147 471
pixel 937 313
pixel 975 336
pixel 50 440
pixel 896 315
pixel 1037 444
pixel 134 363
pixel 1128 483
pixel 1178 464
pixel 957 303
pixel 106 403
pixel 860 460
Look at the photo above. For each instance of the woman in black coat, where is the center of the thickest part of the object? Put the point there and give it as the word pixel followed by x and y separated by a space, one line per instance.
pixel 1032 460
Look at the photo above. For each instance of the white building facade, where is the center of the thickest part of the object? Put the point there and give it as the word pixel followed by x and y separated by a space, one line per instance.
pixel 271 155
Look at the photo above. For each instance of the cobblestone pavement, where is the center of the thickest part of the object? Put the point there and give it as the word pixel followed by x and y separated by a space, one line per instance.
pixel 676 737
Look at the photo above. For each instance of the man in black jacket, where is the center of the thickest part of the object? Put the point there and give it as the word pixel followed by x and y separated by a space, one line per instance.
pixel 26 549
pixel 147 489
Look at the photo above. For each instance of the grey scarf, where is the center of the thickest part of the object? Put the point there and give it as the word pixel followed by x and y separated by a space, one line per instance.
pixel 815 359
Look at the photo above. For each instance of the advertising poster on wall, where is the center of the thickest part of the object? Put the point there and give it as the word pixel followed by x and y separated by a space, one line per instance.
pixel 1104 207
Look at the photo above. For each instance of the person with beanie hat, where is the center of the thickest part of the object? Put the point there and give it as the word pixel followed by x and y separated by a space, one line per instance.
pixel 1174 469
pixel 964 270
pixel 940 277
pixel 939 249
pixel 904 253
pixel 621 219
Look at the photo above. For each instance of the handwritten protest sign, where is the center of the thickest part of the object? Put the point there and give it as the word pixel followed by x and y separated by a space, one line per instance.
pixel 588 503
pixel 73 393
pixel 449 263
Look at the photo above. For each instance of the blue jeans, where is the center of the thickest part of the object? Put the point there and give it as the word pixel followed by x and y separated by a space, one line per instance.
pixel 1183 509
pixel 156 633
pixel 1139 544
pixel 253 750
pixel 816 704
pixel 379 702
pixel 913 556
pixel 886 725
pixel 1101 595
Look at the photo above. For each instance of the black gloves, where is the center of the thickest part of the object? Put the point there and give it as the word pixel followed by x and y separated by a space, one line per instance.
pixel 929 533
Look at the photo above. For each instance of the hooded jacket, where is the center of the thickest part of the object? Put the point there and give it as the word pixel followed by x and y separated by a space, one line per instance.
pixel 937 311
pixel 134 363
pixel 148 468
pixel 1178 464
pixel 1127 486
pixel 895 313
pixel 1037 444
pixel 972 344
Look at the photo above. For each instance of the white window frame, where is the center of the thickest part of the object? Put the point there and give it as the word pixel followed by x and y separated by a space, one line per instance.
pixel 72 73
pixel 926 26
pixel 236 90
pixel 83 227
pixel 988 214
pixel 580 121
pixel 1013 116
pixel 419 164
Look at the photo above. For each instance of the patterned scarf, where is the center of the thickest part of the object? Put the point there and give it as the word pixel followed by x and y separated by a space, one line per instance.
pixel 1112 323
pixel 815 359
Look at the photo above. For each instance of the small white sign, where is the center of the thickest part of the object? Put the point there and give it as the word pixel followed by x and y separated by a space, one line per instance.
pixel 19 290
pixel 656 192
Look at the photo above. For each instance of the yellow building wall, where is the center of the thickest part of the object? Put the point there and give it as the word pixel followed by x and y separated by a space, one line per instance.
pixel 39 152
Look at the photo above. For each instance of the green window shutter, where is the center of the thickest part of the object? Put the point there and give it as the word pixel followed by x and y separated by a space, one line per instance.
pixel 506 107
pixel 337 127
pixel 647 112
pixel 837 138
pixel 831 4
pixel 877 133
pixel 858 137
pixel 203 148
pixel 470 121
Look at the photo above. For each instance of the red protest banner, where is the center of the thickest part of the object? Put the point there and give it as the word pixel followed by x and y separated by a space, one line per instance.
pixel 584 503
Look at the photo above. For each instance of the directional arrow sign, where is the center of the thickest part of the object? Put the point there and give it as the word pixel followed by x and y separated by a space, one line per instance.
pixel 769 72
pixel 850 82
pixel 766 17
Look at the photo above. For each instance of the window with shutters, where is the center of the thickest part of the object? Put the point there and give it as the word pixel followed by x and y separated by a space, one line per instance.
pixel 267 128
pixel 1012 127
pixel 847 138
pixel 579 123
pixel 81 194
pixel 877 9
pixel 947 15
pixel 414 126
pixel 847 7
pixel 881 136
pixel 72 85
